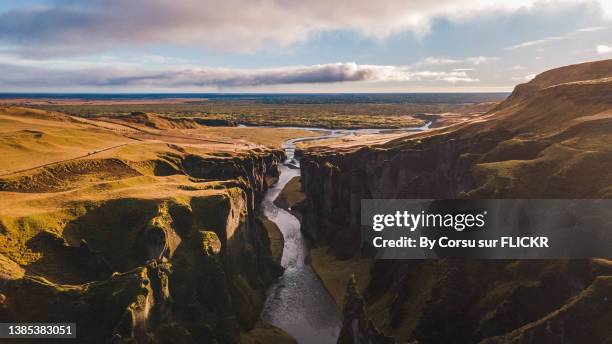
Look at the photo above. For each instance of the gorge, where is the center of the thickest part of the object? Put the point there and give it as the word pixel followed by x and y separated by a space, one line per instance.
pixel 158 228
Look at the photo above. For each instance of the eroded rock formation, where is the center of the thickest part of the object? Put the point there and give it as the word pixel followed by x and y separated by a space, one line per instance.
pixel 180 260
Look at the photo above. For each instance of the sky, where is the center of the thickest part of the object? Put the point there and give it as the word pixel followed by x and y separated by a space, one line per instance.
pixel 294 45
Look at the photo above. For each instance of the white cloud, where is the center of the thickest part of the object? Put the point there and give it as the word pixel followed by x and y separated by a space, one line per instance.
pixel 454 79
pixel 523 78
pixel 103 61
pixel 481 59
pixel 603 49
pixel 550 39
pixel 476 60
pixel 535 42
pixel 592 29
pixel 437 61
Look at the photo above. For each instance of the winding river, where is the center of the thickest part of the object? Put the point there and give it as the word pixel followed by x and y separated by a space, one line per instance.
pixel 298 302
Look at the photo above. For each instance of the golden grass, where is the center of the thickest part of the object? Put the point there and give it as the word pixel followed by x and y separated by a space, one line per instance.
pixel 36 146
pixel 32 138
pixel 352 141
pixel 272 137
pixel 82 183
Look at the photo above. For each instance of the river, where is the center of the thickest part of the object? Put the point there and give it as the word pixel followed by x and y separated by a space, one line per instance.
pixel 298 302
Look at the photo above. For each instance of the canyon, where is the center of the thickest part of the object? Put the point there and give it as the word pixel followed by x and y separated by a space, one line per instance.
pixel 168 228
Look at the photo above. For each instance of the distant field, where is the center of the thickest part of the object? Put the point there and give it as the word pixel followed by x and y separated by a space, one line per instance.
pixel 328 111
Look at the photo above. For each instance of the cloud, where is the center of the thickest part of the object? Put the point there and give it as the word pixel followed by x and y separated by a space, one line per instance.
pixel 22 76
pixel 535 42
pixel 557 38
pixel 72 26
pixel 428 61
pixel 434 61
pixel 481 59
pixel 603 49
pixel 524 78
pixel 592 29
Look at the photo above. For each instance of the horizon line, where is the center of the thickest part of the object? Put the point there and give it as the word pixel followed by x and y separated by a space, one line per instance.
pixel 245 93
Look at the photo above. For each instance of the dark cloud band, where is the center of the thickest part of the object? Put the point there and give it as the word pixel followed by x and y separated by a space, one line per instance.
pixel 224 78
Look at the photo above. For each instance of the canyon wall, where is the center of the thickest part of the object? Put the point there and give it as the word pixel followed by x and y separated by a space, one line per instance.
pixel 550 139
pixel 181 258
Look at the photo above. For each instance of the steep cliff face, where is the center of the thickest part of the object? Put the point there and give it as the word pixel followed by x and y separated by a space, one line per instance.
pixel 357 327
pixel 176 257
pixel 551 138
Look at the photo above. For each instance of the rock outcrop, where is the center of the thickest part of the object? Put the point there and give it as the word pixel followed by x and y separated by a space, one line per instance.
pixel 173 258
pixel 357 327
pixel 550 139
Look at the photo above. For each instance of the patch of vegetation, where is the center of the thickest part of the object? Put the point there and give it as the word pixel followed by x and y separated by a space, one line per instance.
pixel 383 114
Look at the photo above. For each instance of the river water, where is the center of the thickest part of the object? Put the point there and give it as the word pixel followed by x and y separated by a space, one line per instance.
pixel 298 302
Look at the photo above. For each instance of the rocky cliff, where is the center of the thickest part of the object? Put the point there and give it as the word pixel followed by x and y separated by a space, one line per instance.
pixel 154 243
pixel 550 139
